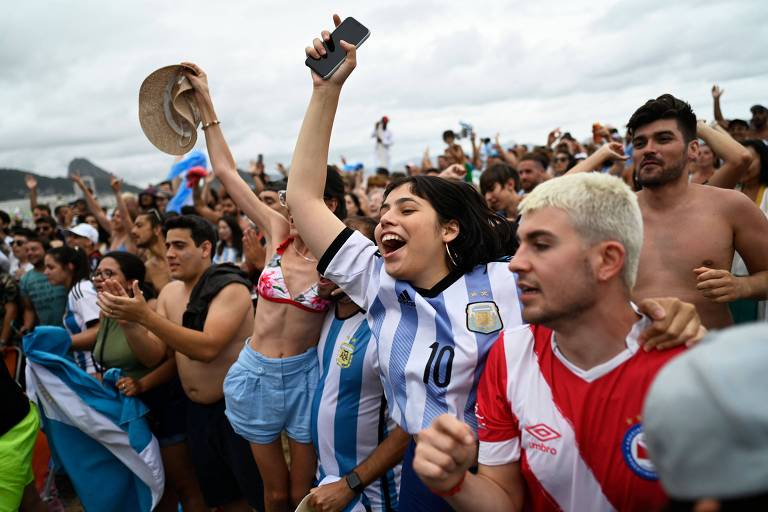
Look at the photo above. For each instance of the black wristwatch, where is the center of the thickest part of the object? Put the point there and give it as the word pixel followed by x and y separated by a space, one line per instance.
pixel 354 482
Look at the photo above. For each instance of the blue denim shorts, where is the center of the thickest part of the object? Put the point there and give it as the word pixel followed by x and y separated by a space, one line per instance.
pixel 265 395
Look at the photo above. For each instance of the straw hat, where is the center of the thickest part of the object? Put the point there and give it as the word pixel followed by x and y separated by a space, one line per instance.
pixel 168 112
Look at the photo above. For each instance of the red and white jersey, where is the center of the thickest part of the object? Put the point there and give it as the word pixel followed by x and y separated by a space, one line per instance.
pixel 577 434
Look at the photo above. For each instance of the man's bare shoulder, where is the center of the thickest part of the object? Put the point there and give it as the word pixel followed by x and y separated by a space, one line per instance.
pixel 171 291
pixel 232 293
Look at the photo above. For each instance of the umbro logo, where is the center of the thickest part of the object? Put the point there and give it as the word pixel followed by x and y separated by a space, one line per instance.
pixel 404 298
pixel 542 432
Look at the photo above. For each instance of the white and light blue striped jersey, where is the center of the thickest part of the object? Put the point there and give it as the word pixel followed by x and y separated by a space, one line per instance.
pixel 432 344
pixel 349 412
pixel 81 309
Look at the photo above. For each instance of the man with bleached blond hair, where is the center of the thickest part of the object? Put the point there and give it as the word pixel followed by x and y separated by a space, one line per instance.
pixel 560 400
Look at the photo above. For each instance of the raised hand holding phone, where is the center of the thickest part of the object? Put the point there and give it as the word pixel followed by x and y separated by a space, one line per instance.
pixel 332 57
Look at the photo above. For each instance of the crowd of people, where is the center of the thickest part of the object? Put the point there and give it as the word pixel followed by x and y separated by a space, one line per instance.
pixel 479 332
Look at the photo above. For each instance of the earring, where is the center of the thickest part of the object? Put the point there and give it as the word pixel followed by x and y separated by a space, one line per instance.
pixel 450 256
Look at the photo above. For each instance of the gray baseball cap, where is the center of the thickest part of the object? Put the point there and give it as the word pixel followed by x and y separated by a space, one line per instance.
pixel 706 417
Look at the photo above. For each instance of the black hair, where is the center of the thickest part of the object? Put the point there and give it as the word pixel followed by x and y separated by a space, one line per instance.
pixel 734 122
pixel 188 209
pixel 154 216
pixel 22 231
pixel 762 152
pixel 59 208
pixel 133 269
pixel 665 106
pixel 200 229
pixel 536 157
pixel 365 225
pixel 237 235
pixel 5 217
pixel 498 173
pixel 46 219
pixel 355 200
pixel 334 189
pixel 274 186
pixel 397 175
pixel 448 133
pixel 66 255
pixel 42 241
pixel 483 236
pixel 44 207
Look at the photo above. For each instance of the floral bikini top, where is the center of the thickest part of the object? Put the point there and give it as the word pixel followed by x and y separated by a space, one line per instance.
pixel 272 286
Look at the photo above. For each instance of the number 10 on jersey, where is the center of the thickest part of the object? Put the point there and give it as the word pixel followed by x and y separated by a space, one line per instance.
pixel 439 365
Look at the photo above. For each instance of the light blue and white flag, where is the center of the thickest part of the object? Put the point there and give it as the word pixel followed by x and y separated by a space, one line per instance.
pixel 97 434
pixel 183 195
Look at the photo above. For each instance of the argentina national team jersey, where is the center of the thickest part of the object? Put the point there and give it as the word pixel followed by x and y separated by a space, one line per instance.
pixel 349 412
pixel 80 311
pixel 431 344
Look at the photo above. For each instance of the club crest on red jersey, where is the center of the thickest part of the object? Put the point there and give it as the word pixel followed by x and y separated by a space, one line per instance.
pixel 636 453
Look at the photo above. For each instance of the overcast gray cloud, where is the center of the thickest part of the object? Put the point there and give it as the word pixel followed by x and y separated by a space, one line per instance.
pixel 71 71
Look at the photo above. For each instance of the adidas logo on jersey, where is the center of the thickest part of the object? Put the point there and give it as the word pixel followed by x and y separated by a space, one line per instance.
pixel 404 298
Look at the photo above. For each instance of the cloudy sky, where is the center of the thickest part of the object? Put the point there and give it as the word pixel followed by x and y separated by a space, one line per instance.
pixel 71 71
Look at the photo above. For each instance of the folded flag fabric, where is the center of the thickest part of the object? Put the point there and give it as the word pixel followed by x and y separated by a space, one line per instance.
pixel 98 435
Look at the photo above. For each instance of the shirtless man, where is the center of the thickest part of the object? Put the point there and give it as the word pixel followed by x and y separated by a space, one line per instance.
pixel 147 234
pixel 206 331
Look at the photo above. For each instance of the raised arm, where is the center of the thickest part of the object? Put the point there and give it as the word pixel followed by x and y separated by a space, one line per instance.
pixel 125 215
pixel 316 223
pixel 505 155
pixel 736 158
pixel 716 93
pixel 31 183
pixel 201 207
pixel 93 204
pixel 272 224
pixel 610 151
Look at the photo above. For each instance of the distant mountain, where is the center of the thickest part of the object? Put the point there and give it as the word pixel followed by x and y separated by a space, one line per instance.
pixel 101 178
pixel 12 184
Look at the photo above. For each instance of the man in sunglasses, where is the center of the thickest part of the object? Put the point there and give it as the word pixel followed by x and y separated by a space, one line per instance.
pixel 45 227
pixel 20 265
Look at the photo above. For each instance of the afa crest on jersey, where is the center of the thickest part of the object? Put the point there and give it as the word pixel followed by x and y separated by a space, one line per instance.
pixel 636 454
pixel 344 358
pixel 483 317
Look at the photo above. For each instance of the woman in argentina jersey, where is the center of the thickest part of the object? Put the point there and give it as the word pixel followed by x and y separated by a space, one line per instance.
pixel 436 297
pixel 69 267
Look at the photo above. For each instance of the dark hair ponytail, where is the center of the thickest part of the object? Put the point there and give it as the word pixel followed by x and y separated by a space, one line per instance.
pixel 66 255
pixel 483 236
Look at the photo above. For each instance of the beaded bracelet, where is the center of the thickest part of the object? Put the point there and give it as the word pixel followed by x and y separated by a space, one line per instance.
pixel 208 125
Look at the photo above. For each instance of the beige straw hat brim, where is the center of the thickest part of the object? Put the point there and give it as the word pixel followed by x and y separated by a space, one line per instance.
pixel 168 112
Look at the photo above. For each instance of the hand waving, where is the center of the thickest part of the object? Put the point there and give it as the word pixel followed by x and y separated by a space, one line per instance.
pixel 30 181
pixel 717 92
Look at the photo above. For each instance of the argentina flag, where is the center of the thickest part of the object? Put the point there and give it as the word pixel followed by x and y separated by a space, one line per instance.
pixel 98 435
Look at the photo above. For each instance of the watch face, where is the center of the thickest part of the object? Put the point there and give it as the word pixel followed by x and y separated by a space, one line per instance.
pixel 354 483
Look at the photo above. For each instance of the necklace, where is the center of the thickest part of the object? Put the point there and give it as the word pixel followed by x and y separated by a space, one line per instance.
pixel 311 260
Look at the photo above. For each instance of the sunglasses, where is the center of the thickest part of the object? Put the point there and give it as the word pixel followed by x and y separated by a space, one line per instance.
pixel 19 243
